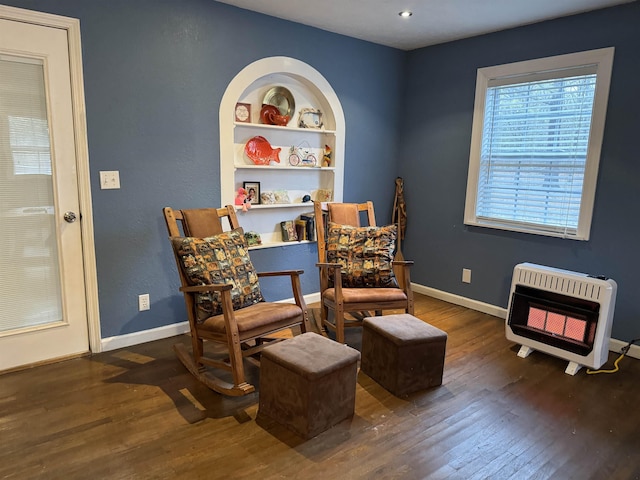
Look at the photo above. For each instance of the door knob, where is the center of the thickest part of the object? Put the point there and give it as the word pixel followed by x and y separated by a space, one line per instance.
pixel 70 217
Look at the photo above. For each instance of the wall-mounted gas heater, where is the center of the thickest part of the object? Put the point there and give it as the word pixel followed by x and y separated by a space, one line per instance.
pixel 565 314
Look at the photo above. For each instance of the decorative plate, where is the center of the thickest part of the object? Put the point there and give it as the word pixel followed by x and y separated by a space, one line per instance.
pixel 281 98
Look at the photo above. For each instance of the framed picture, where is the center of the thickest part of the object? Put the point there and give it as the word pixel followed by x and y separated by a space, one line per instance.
pixel 243 112
pixel 310 118
pixel 253 192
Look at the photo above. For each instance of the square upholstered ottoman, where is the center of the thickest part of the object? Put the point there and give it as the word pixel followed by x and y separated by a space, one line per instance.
pixel 402 353
pixel 308 383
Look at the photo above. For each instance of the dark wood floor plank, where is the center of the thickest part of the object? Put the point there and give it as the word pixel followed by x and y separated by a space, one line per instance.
pixel 136 413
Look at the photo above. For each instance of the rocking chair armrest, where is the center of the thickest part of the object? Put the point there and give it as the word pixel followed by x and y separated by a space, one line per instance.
pixel 330 270
pixel 327 265
pixel 280 273
pixel 206 288
pixel 402 271
pixel 403 263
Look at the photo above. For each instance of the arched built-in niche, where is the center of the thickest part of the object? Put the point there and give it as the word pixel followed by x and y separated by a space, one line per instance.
pixel 310 90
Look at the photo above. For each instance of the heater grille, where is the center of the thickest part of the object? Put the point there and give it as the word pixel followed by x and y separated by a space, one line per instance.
pixel 561 284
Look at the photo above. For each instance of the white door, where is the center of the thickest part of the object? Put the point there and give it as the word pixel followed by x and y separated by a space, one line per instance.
pixel 43 314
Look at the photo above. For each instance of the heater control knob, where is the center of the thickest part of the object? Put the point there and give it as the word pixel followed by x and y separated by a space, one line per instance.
pixel 599 277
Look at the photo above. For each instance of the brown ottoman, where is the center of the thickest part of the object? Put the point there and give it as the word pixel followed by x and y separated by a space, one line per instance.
pixel 402 353
pixel 308 383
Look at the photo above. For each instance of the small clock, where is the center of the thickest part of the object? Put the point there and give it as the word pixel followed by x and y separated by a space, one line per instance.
pixel 243 112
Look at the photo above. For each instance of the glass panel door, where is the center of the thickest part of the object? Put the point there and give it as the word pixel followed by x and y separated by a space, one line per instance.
pixel 43 303
pixel 30 292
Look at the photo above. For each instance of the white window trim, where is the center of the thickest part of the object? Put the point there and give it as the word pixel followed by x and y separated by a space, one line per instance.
pixel 603 59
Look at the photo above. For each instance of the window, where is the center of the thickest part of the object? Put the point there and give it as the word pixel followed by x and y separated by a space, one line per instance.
pixel 535 145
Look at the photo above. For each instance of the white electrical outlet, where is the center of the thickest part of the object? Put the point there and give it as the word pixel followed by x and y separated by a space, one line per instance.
pixel 143 302
pixel 466 275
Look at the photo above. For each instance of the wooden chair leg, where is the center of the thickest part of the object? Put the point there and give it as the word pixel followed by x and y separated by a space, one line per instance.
pixel 324 313
pixel 339 320
pixel 306 323
pixel 237 365
pixel 324 317
pixel 197 350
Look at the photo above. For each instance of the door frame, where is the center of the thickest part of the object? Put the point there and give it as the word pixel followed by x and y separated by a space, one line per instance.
pixel 72 27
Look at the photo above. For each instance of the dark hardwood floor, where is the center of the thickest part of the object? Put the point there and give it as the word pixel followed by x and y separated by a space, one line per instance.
pixel 136 413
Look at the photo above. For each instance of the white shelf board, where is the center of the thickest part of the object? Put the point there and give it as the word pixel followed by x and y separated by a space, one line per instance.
pixel 275 205
pixel 277 127
pixel 277 167
pixel 278 244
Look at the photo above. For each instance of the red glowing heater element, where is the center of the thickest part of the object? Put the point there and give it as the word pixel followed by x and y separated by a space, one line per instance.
pixel 562 313
pixel 557 324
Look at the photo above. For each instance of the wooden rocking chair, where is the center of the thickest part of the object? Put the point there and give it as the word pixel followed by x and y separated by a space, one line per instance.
pixel 243 330
pixel 358 301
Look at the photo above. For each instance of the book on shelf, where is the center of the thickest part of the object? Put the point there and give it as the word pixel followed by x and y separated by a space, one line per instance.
pixel 301 229
pixel 310 225
pixel 288 229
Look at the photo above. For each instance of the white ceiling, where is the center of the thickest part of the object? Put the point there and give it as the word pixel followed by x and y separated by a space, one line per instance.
pixel 432 22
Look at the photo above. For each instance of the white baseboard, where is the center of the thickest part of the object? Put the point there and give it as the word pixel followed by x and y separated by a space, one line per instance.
pixel 614 345
pixel 617 345
pixel 311 298
pixel 136 338
pixel 462 301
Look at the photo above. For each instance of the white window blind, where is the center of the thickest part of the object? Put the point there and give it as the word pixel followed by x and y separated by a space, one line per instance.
pixel 30 288
pixel 29 140
pixel 536 140
pixel 534 152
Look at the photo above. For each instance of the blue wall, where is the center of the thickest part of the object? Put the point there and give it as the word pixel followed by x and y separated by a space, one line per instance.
pixel 440 81
pixel 155 72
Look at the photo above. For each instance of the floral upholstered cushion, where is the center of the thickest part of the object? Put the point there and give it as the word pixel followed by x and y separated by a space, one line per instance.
pixel 365 254
pixel 218 260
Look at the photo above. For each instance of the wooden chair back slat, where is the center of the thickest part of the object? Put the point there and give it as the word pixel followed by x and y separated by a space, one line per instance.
pixel 200 222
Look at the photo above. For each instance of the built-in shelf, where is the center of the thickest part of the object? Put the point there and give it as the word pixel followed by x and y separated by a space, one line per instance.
pixel 310 90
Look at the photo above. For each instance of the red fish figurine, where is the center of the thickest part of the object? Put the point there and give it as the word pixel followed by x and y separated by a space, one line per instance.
pixel 260 151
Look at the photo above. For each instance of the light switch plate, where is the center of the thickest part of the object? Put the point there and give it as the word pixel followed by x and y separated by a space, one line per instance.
pixel 109 179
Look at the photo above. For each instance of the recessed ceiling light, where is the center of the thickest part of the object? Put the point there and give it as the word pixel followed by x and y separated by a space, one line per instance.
pixel 405 13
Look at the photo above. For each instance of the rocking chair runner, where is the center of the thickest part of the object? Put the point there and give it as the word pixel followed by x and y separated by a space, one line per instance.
pixel 337 292
pixel 244 330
